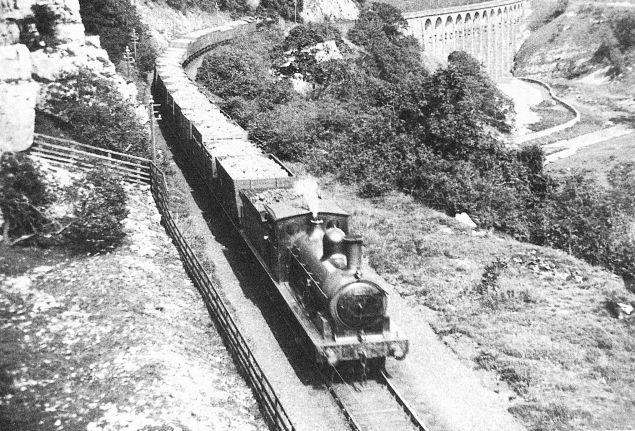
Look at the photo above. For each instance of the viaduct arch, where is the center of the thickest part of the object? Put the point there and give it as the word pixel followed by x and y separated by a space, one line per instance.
pixel 487 30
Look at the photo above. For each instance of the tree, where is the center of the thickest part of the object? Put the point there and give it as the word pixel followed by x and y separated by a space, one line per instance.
pixel 113 20
pixel 389 53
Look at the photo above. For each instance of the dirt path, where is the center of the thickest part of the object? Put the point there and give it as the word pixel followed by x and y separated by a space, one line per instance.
pixel 566 148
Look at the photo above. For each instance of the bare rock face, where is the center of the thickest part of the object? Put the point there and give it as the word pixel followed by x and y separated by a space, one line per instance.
pixel 17 98
pixel 17 115
pixel 66 21
pixel 68 59
pixel 323 10
pixel 16 63
pixel 9 33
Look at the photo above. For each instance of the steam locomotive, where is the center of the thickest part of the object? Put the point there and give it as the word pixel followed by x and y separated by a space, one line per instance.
pixel 302 241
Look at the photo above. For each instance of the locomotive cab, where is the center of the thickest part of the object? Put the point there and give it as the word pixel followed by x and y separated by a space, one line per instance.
pixel 274 219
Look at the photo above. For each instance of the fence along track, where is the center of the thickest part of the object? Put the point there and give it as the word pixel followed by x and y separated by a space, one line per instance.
pixel 64 152
pixel 140 170
pixel 374 405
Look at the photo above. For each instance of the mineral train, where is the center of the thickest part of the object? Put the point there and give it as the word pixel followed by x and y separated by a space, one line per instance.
pixel 313 260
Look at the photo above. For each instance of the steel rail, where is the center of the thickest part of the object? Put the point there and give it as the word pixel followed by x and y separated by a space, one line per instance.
pixel 353 420
pixel 412 415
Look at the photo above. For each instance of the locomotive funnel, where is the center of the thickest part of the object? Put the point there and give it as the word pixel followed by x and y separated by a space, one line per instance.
pixel 316 235
pixel 353 248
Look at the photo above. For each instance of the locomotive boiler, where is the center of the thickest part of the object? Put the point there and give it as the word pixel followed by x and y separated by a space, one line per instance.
pixel 317 265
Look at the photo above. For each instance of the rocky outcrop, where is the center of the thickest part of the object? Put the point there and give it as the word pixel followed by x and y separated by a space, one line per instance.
pixel 16 63
pixel 17 115
pixel 555 49
pixel 67 59
pixel 67 23
pixel 329 10
pixel 17 98
pixel 62 28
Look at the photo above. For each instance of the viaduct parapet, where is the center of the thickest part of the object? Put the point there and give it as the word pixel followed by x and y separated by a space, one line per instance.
pixel 488 30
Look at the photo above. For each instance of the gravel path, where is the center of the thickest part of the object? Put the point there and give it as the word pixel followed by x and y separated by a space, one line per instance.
pixel 561 149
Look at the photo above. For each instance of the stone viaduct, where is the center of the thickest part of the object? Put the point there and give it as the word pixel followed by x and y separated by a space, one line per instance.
pixel 487 30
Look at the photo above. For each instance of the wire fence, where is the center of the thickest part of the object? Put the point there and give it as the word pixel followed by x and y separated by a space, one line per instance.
pixel 140 170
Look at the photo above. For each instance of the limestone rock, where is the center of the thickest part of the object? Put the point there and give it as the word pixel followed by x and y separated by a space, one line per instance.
pixel 70 32
pixel 16 63
pixel 66 60
pixel 16 9
pixel 93 41
pixel 9 33
pixel 465 219
pixel 17 115
pixel 67 25
pixel 322 10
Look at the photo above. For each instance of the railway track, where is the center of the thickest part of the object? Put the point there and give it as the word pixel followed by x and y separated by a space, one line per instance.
pixel 373 404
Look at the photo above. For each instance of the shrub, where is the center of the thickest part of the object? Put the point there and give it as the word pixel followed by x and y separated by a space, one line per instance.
pixel 23 195
pixel 100 117
pixel 624 30
pixel 113 20
pixel 608 53
pixel 45 21
pixel 147 53
pixel 591 222
pixel 99 212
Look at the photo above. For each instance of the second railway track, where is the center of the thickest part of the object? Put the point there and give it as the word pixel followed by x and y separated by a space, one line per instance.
pixel 374 404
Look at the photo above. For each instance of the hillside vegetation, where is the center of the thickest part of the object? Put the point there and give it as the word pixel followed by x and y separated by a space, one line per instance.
pixel 586 50
pixel 554 46
pixel 372 120
pixel 375 118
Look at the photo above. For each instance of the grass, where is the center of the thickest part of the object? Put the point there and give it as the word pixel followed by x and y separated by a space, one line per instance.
pixel 537 316
pixel 599 159
pixel 550 116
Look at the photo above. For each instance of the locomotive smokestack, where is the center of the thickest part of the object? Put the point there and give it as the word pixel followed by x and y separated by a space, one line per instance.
pixel 308 189
pixel 353 248
pixel 316 236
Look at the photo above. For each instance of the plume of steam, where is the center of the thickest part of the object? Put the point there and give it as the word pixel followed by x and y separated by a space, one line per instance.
pixel 308 189
pixel 253 4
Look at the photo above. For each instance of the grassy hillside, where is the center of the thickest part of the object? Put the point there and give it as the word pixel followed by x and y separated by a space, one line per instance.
pixel 535 321
pixel 585 48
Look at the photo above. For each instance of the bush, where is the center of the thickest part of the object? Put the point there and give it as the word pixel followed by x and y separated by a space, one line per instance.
pixel 591 222
pixel 624 30
pixel 99 117
pixel 99 212
pixel 45 20
pixel 114 21
pixel 23 196
pixel 147 53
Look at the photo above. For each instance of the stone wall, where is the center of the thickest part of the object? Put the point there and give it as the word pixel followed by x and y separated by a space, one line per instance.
pixel 489 31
